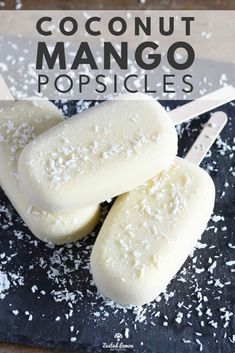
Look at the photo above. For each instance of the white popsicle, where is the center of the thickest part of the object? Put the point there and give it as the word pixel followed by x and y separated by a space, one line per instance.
pixel 20 122
pixel 150 231
pixel 106 151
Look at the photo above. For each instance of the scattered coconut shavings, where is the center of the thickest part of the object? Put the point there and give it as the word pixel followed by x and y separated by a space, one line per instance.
pixel 232 339
pixel 230 263
pixel 212 267
pixel 179 317
pixel 186 341
pixel 30 316
pixel 4 284
pixel 200 344
pixel 217 218
pixel 66 159
pixel 126 333
pixel 195 297
pixel 8 280
pixel 34 289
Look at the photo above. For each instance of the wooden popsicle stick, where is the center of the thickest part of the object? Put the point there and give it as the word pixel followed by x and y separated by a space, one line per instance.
pixel 202 104
pixel 5 93
pixel 207 137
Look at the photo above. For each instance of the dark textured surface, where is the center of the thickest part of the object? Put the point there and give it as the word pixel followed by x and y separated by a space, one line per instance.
pixel 34 262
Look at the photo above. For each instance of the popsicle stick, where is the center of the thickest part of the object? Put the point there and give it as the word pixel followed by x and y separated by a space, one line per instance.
pixel 203 104
pixel 5 93
pixel 207 137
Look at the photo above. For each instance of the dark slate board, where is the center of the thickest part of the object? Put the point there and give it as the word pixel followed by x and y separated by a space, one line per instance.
pixel 53 270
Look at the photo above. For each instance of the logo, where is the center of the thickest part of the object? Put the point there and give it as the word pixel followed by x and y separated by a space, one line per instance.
pixel 118 336
pixel 118 345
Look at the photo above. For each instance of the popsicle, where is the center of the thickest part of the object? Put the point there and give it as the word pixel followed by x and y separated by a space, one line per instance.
pixel 150 231
pixel 99 155
pixel 20 122
pixel 110 149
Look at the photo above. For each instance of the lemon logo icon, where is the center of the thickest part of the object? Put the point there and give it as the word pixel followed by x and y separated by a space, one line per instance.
pixel 118 336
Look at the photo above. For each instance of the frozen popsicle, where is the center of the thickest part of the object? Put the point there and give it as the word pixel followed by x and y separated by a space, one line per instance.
pixel 106 151
pixel 20 122
pixel 150 231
